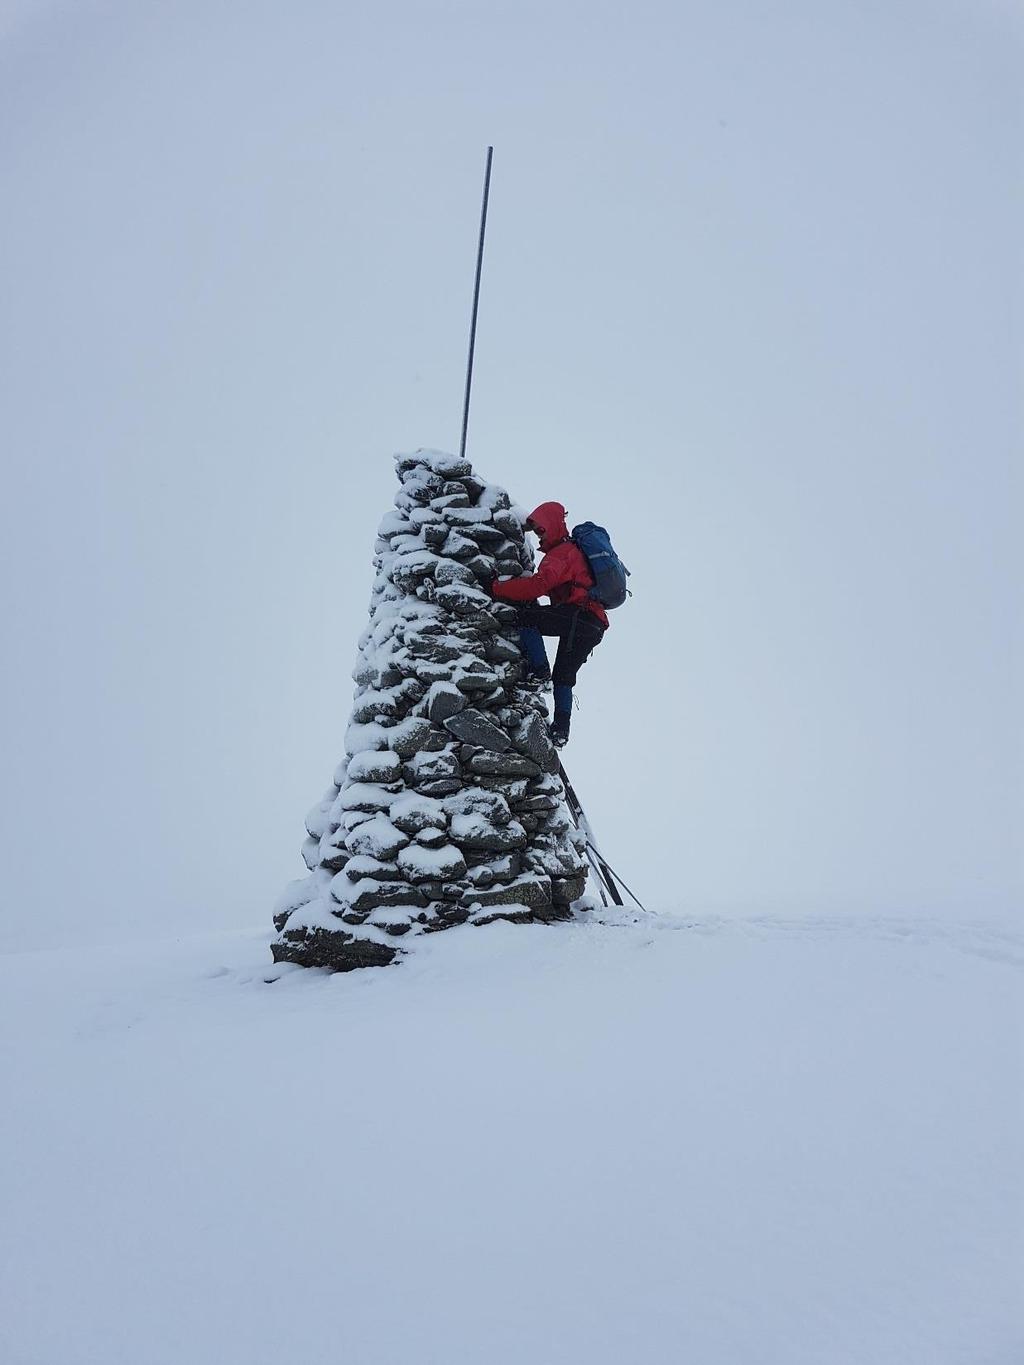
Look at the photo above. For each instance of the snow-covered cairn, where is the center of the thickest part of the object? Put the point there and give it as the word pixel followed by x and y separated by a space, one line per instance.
pixel 448 806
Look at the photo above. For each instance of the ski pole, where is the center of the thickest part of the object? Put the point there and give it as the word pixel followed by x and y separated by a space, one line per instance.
pixel 613 874
pixel 605 873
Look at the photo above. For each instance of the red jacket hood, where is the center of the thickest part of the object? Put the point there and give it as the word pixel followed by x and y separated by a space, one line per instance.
pixel 549 520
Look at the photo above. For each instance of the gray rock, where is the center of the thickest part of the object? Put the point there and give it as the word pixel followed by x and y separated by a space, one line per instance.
pixel 435 649
pixel 460 599
pixel 481 565
pixel 535 805
pixel 487 537
pixel 386 895
pixel 473 801
pixel 477 680
pixel 443 701
pixel 421 488
pixel 447 916
pixel 497 499
pixel 334 859
pixel 507 522
pixel 413 812
pixel 451 466
pixel 374 705
pixel 468 516
pixel 503 765
pixel 484 838
pixel 369 797
pixel 500 650
pixel 458 546
pixel 435 742
pixel 557 822
pixel 526 890
pixel 443 787
pixel 450 865
pixel 512 914
pixel 511 788
pixel 335 949
pixel 381 766
pixel 507 867
pixel 427 767
pixel 473 727
pixel 565 890
pixel 362 865
pixel 532 739
pixel 409 737
pixel 556 862
pixel 376 838
pixel 450 571
pixel 483 622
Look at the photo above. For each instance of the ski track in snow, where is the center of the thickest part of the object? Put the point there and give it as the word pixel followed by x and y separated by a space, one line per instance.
pixel 755 1140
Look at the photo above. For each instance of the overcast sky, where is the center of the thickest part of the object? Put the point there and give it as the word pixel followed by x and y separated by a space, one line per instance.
pixel 752 299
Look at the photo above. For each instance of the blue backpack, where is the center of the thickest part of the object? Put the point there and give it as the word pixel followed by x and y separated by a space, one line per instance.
pixel 609 572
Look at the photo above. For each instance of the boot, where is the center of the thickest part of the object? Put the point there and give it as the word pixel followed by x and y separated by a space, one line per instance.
pixel 560 729
pixel 537 679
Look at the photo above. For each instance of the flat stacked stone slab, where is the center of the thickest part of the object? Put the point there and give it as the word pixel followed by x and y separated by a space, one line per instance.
pixel 447 807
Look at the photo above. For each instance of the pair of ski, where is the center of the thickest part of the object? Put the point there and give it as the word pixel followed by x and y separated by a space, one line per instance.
pixel 608 881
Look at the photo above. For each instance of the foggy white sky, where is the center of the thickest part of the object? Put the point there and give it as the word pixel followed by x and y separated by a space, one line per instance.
pixel 752 298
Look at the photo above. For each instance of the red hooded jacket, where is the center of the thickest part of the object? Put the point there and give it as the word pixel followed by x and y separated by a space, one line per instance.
pixel 564 574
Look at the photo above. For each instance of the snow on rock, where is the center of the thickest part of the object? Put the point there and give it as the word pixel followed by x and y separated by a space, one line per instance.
pixel 447 806
pixel 431 864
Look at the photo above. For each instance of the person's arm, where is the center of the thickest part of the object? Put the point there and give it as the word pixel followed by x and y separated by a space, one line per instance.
pixel 530 586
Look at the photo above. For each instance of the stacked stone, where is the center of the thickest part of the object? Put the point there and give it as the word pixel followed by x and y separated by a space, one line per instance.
pixel 448 806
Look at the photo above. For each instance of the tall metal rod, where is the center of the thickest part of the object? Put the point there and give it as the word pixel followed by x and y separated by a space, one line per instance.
pixel 476 302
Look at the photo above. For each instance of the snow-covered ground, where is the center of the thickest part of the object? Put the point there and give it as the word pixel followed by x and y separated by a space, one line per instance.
pixel 728 1142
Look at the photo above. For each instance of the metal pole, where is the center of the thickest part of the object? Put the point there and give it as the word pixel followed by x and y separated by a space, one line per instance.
pixel 476 302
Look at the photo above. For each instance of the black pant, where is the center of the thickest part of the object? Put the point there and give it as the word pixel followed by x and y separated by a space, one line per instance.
pixel 579 633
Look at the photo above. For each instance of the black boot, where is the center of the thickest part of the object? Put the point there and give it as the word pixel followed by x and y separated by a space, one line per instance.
pixel 537 679
pixel 560 729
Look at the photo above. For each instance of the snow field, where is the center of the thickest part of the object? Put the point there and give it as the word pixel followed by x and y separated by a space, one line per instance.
pixel 749 1142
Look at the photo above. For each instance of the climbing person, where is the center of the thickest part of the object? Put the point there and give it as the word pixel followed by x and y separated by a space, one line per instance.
pixel 577 619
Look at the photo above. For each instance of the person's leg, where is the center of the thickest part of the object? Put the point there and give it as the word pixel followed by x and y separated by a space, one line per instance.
pixel 531 642
pixel 534 623
pixel 574 649
pixel 563 709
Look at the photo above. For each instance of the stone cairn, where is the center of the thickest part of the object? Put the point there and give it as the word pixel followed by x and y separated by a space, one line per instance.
pixel 448 807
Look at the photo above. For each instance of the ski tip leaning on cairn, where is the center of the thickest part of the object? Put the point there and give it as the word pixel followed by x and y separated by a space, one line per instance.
pixel 447 807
